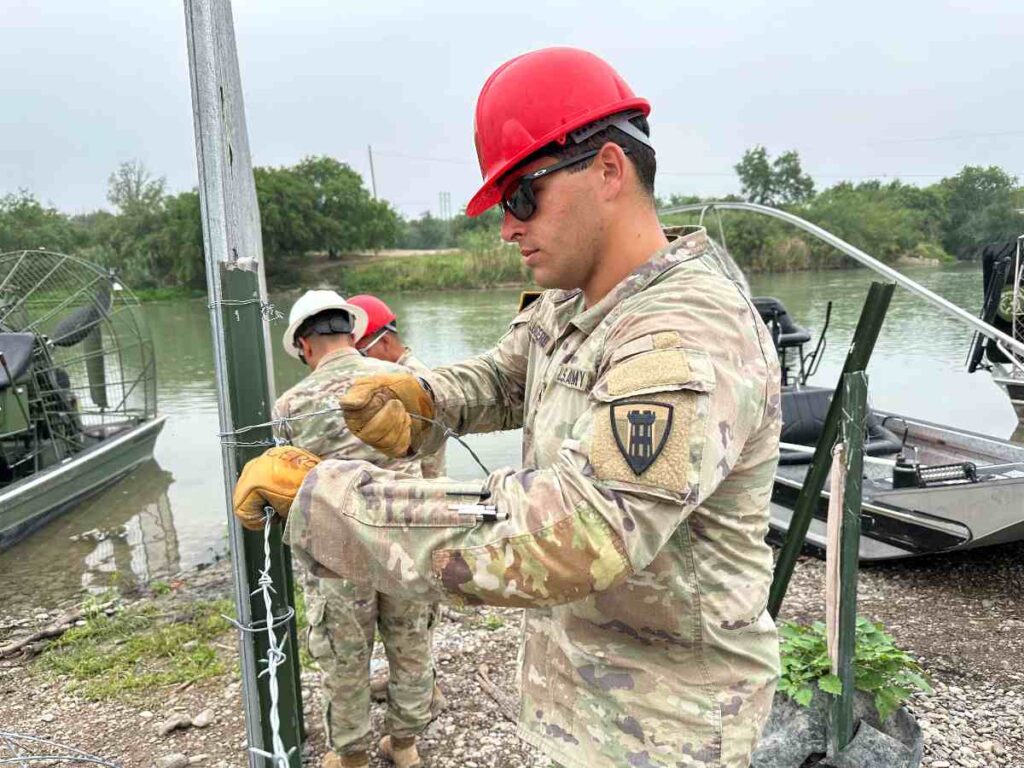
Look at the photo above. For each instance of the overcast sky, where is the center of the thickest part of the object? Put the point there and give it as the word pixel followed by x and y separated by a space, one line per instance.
pixel 908 89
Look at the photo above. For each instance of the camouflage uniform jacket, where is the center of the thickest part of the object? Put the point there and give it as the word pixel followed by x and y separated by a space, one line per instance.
pixel 651 427
pixel 326 434
pixel 434 464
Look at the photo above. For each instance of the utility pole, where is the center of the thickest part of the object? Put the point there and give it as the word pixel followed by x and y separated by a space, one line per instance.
pixel 444 206
pixel 245 385
pixel 373 176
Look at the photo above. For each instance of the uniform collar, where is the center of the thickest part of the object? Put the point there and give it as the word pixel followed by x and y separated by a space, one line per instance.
pixel 337 354
pixel 684 243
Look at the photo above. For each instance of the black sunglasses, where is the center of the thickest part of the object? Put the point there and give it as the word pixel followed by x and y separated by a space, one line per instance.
pixel 519 199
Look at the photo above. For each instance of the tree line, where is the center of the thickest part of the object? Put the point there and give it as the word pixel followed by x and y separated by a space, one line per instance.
pixel 950 219
pixel 153 237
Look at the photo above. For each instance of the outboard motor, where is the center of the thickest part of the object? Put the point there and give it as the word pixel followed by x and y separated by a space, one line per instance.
pixel 998 263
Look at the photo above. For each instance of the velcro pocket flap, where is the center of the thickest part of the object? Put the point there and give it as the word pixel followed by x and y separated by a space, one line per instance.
pixel 639 368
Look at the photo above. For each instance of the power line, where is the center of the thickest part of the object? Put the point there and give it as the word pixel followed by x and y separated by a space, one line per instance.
pixel 952 137
pixel 426 159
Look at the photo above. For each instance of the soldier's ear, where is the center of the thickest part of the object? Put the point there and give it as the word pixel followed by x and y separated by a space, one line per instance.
pixel 305 349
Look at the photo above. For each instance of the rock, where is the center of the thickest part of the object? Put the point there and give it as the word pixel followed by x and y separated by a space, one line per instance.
pixel 197 759
pixel 173 723
pixel 48 718
pixel 792 734
pixel 203 719
pixel 870 748
pixel 173 760
pixel 795 735
pixel 146 714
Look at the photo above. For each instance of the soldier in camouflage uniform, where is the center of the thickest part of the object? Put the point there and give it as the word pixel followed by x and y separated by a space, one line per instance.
pixel 383 342
pixel 343 615
pixel 648 393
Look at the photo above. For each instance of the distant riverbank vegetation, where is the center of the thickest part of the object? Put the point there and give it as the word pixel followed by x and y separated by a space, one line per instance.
pixel 322 226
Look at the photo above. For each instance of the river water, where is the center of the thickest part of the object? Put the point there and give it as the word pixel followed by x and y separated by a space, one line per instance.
pixel 170 515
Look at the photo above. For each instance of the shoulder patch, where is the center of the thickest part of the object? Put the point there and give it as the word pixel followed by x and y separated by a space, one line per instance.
pixel 656 442
pixel 640 429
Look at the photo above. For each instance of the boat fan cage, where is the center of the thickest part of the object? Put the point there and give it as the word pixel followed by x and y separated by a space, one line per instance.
pixel 83 356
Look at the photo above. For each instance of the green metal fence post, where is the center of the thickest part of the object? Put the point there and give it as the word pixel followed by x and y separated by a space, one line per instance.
pixel 864 337
pixel 237 290
pixel 855 395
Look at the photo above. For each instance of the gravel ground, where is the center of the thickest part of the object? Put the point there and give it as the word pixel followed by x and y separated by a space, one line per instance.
pixel 962 615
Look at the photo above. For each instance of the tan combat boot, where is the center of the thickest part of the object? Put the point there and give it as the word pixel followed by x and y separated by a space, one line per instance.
pixel 358 759
pixel 401 751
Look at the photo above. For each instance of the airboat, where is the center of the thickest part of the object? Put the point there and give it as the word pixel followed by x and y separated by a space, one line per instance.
pixel 927 487
pixel 77 387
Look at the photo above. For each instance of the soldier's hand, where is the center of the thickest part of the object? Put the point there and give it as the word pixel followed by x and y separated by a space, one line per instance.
pixel 272 478
pixel 377 410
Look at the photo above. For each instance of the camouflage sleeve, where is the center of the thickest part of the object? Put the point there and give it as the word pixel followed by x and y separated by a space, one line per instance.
pixel 666 423
pixel 484 393
pixel 281 429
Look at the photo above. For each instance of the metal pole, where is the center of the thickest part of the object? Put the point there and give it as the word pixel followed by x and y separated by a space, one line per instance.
pixel 373 176
pixel 945 305
pixel 237 290
pixel 864 337
pixel 855 396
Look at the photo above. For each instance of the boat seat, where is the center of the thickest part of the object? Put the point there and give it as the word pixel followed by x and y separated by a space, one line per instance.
pixel 784 330
pixel 803 418
pixel 17 350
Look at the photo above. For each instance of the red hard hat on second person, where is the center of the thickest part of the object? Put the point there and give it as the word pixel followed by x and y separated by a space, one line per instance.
pixel 536 99
pixel 378 313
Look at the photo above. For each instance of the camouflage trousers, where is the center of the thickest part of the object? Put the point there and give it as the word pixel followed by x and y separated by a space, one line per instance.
pixel 343 618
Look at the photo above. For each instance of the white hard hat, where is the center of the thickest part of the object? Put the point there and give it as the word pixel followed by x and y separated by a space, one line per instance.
pixel 313 302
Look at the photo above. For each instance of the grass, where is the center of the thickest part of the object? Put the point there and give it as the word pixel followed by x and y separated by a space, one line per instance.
pixel 167 293
pixel 480 265
pixel 140 648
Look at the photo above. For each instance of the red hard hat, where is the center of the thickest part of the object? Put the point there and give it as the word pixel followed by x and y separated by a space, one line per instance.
pixel 536 99
pixel 378 313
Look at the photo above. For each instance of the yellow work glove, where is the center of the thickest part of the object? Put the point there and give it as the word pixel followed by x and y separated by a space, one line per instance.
pixel 377 410
pixel 272 478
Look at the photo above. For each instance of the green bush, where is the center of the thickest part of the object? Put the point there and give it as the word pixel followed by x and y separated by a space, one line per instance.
pixel 932 251
pixel 882 670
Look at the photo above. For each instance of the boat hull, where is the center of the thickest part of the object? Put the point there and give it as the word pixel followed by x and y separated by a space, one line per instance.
pixel 31 503
pixel 901 523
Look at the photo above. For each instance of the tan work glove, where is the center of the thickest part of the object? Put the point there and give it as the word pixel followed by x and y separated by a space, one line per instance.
pixel 272 478
pixel 377 411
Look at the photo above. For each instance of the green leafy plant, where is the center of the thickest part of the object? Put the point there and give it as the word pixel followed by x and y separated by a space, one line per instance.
pixel 881 670
pixel 493 622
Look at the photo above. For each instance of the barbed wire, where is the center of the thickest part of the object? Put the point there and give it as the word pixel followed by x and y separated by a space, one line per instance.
pixel 276 656
pixel 448 433
pixel 280 757
pixel 11 741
